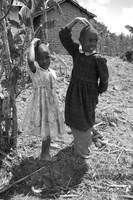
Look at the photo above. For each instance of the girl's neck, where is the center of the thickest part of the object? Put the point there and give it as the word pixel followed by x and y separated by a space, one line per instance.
pixel 46 69
pixel 86 52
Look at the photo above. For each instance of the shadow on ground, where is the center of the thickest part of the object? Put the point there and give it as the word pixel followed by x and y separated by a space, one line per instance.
pixel 52 181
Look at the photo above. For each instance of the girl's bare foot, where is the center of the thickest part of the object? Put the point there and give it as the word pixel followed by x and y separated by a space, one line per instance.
pixel 85 155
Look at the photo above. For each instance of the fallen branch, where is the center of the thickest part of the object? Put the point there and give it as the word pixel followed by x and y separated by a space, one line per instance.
pixel 126 196
pixel 68 182
pixel 110 186
pixel 107 152
pixel 129 181
pixel 119 156
pixel 116 186
pixel 114 145
pixel 69 195
pixel 130 122
pixel 20 180
pixel 100 123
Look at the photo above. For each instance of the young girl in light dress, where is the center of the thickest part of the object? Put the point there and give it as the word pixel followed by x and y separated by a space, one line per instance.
pixel 43 116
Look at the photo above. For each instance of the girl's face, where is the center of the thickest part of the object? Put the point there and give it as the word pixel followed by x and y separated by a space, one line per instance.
pixel 89 42
pixel 43 57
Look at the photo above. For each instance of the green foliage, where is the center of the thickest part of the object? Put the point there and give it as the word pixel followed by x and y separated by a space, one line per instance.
pixel 110 43
pixel 129 28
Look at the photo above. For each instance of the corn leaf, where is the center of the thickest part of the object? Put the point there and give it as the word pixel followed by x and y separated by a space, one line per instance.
pixel 25 2
pixel 47 25
pixel 37 6
pixel 129 28
pixel 14 23
pixel 24 15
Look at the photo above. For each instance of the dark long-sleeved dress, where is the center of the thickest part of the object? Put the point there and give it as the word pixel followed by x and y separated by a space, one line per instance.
pixel 89 78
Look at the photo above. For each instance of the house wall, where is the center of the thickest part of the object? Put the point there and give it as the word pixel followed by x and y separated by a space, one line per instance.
pixel 70 12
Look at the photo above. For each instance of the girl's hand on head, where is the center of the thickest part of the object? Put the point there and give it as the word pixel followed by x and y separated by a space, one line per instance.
pixel 36 42
pixel 82 20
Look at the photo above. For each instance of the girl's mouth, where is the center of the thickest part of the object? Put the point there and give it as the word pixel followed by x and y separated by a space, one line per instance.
pixel 91 49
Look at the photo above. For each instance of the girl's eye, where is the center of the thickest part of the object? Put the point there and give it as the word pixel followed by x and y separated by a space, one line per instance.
pixel 48 57
pixel 93 40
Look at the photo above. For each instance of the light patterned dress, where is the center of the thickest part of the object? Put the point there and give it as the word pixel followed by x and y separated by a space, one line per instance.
pixel 43 116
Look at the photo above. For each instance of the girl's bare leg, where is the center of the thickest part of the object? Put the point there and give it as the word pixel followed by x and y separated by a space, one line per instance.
pixel 82 142
pixel 45 153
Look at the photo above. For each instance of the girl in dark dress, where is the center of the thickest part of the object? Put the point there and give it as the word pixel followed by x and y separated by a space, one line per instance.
pixel 89 78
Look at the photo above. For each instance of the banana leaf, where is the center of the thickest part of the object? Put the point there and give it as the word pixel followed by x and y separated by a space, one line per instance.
pixel 129 28
pixel 46 25
pixel 24 16
pixel 14 23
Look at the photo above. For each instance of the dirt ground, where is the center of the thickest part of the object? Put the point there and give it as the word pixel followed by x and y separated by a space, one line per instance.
pixel 106 175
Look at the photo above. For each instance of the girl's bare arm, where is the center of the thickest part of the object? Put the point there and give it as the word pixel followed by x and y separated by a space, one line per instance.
pixel 80 20
pixel 31 54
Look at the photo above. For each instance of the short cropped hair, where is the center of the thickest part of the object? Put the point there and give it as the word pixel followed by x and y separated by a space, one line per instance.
pixel 40 49
pixel 87 28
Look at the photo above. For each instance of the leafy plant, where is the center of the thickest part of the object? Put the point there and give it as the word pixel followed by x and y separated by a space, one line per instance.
pixel 31 8
pixel 13 50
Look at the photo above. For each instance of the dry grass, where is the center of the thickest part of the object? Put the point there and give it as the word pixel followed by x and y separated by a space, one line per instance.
pixel 106 175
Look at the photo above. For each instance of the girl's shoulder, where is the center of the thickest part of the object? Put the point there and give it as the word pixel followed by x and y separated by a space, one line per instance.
pixel 99 57
pixel 37 73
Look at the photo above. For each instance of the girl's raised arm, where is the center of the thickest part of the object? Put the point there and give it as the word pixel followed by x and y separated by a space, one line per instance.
pixel 31 54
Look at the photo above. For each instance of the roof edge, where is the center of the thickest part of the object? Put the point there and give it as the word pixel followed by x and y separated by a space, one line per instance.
pixel 80 7
pixel 76 4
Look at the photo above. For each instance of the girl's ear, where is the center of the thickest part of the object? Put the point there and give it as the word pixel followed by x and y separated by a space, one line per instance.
pixel 80 40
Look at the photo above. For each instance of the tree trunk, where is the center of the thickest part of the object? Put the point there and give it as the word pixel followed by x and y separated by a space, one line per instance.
pixel 11 115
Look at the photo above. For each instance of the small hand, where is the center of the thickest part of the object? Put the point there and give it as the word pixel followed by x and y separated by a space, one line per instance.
pixel 82 20
pixel 36 42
